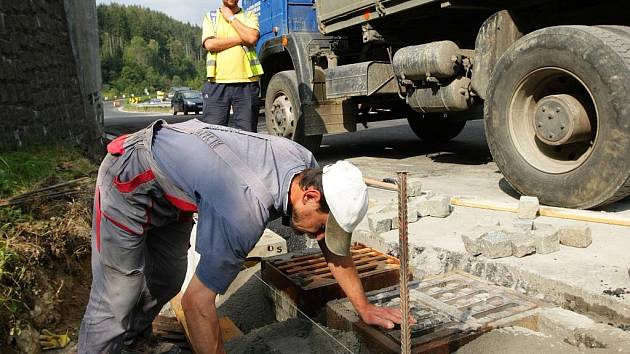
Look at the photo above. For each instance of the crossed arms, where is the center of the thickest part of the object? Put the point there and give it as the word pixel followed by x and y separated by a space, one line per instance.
pixel 247 36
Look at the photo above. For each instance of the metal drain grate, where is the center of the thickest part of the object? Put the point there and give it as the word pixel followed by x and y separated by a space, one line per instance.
pixel 450 311
pixel 473 300
pixel 307 280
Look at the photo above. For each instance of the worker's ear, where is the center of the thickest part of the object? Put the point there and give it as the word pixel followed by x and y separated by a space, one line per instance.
pixel 311 195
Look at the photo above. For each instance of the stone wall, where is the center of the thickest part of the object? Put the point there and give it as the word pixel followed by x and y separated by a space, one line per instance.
pixel 49 74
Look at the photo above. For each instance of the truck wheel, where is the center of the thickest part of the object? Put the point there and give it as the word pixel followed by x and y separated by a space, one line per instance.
pixel 434 128
pixel 557 117
pixel 283 112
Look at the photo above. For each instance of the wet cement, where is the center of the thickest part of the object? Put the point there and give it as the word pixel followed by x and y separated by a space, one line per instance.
pixel 291 337
pixel 248 307
pixel 517 340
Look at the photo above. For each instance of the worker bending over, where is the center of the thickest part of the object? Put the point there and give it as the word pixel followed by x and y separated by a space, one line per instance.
pixel 152 181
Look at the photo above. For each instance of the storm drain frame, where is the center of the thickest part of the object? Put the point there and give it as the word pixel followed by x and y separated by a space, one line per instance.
pixel 450 310
pixel 306 279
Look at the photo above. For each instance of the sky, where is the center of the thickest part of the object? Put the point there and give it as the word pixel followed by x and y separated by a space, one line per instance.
pixel 182 10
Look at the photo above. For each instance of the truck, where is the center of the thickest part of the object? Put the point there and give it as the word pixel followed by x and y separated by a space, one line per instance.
pixel 549 78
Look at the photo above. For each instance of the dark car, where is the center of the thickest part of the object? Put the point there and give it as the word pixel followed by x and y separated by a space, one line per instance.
pixel 174 89
pixel 187 101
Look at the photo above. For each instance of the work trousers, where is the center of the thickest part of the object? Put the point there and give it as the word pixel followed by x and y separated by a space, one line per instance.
pixel 218 98
pixel 139 247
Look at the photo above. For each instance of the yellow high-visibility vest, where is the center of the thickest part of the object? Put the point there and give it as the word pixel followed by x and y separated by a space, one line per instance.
pixel 252 64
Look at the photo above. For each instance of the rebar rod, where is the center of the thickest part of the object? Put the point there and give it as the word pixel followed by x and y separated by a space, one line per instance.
pixel 405 333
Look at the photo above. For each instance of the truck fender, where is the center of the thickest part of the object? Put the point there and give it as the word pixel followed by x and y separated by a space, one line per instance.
pixel 299 46
pixel 495 36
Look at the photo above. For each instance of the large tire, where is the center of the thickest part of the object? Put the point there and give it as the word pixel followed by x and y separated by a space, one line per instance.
pixel 435 128
pixel 589 65
pixel 283 113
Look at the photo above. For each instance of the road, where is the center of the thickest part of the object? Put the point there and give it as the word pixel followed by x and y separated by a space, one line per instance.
pixel 118 122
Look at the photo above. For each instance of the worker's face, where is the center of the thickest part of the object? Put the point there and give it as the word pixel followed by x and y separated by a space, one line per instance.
pixel 307 218
pixel 230 3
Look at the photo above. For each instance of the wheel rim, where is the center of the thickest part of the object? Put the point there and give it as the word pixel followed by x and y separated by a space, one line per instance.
pixel 283 120
pixel 553 120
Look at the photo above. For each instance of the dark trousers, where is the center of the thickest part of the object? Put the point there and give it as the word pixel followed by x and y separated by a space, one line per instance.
pixel 241 97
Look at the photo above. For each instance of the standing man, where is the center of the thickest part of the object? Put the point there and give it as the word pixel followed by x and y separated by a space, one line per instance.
pixel 233 69
pixel 152 181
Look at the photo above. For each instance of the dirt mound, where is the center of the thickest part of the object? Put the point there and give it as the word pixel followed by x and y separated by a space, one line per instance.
pixel 44 263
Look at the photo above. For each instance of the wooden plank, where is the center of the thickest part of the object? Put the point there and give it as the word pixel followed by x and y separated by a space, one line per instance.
pixel 583 215
pixel 553 212
pixel 484 204
pixel 176 304
pixel 163 324
pixel 371 182
pixel 228 328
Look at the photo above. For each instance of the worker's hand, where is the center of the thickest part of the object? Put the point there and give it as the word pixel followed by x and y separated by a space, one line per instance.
pixel 226 12
pixel 385 317
pixel 49 340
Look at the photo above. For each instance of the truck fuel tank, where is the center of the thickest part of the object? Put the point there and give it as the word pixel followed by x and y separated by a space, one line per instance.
pixel 436 59
pixel 454 97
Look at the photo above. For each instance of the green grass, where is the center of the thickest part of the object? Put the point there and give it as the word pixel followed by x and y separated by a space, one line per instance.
pixel 23 227
pixel 7 273
pixel 23 169
pixel 132 107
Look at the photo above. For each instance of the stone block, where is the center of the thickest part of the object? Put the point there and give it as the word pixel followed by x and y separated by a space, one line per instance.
pixel 472 239
pixel 380 222
pixel 414 187
pixel 412 216
pixel 439 207
pixel 361 235
pixel 546 239
pixel 528 207
pixel 523 244
pixel 383 209
pixel 413 205
pixel 496 244
pixel 575 236
pixel 523 225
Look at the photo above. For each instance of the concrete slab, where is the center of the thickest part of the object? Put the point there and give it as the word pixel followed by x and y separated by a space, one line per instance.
pixel 585 280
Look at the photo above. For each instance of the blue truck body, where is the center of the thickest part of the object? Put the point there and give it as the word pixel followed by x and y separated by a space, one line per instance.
pixel 281 17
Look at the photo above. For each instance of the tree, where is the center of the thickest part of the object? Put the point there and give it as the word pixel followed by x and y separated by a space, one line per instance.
pixel 144 48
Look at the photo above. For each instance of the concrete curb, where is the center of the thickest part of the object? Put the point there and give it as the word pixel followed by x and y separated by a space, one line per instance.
pixel 427 259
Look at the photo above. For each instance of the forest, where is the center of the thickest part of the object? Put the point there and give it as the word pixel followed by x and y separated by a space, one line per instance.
pixel 142 49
